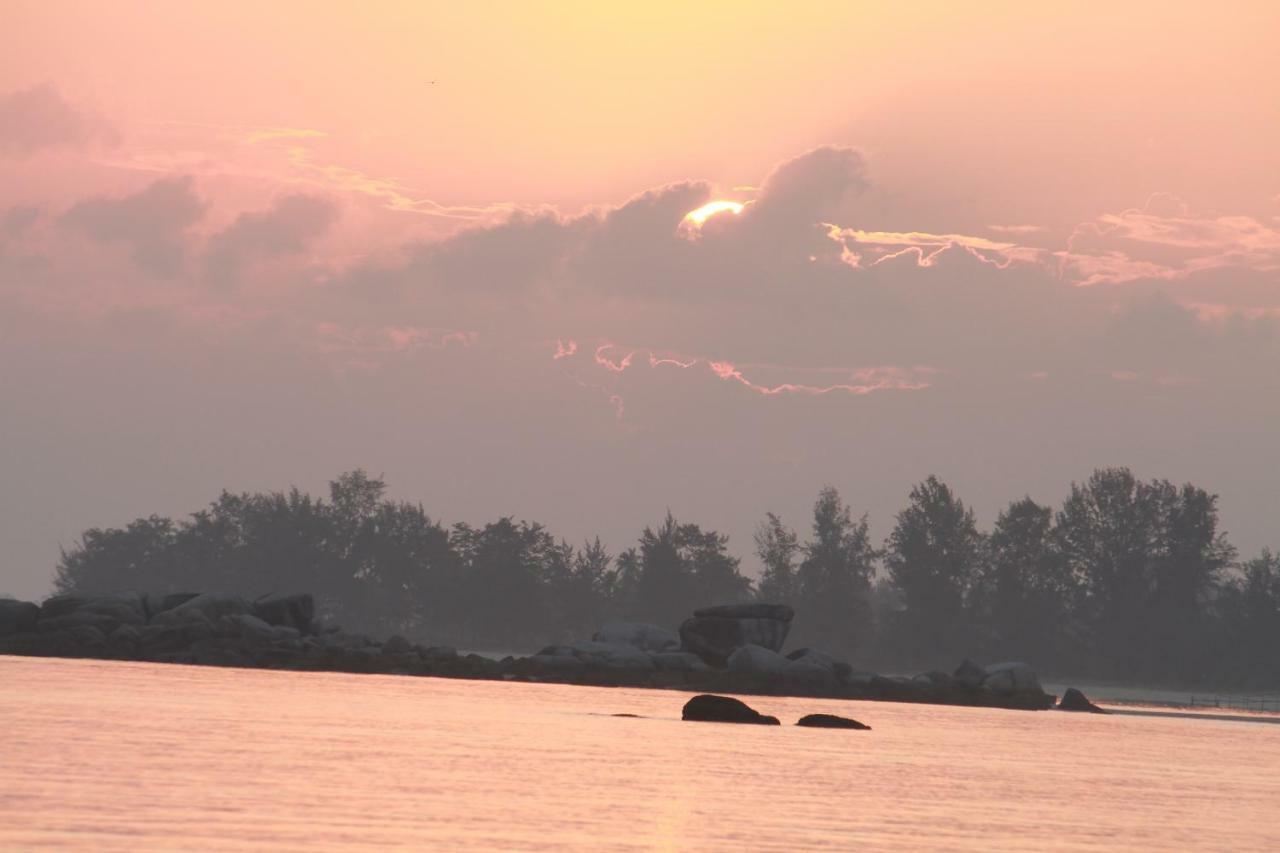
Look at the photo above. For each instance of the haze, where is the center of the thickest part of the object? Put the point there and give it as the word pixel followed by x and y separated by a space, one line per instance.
pixel 248 246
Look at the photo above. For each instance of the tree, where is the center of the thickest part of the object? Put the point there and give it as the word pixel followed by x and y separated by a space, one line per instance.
pixel 833 581
pixel 777 546
pixel 1148 557
pixel 1022 593
pixel 933 555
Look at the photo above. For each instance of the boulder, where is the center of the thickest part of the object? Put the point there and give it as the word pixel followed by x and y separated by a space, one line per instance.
pixel 969 674
pixel 938 678
pixel 210 606
pixel 87 637
pixel 60 605
pixel 174 599
pixel 17 617
pixel 757 660
pixel 641 635
pixel 292 611
pixel 723 709
pixel 1074 700
pixel 813 657
pixel 396 645
pixel 556 663
pixel 714 632
pixel 611 655
pixel 830 721
pixel 1013 677
pixel 680 662
pixel 127 608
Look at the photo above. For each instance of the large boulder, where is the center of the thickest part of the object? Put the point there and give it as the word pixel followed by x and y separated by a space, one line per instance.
pixel 723 709
pixel 714 632
pixel 292 611
pixel 1074 700
pixel 1012 677
pixel 17 617
pixel 641 635
pixel 830 721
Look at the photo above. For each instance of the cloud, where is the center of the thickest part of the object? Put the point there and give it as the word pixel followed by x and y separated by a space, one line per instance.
pixel 151 223
pixel 19 219
pixel 39 118
pixel 291 224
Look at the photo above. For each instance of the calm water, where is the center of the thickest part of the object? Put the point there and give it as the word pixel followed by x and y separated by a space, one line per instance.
pixel 118 756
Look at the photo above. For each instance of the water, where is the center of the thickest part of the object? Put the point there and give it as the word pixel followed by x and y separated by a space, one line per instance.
pixel 122 756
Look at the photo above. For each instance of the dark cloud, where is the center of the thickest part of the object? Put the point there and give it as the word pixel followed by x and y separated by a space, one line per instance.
pixel 152 223
pixel 291 224
pixel 39 118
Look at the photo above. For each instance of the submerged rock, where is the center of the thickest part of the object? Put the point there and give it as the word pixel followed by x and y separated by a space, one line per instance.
pixel 1074 700
pixel 723 709
pixel 714 632
pixel 830 721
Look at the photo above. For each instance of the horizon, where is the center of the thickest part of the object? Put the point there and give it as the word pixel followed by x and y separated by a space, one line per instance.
pixel 1007 249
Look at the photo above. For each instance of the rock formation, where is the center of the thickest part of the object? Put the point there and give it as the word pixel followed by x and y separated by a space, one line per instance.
pixel 723 709
pixel 830 721
pixel 1074 700
pixel 714 632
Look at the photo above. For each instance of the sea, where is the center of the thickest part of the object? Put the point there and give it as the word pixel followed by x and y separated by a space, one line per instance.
pixel 104 756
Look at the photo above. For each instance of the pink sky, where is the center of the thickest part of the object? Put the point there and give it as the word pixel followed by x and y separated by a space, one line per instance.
pixel 253 245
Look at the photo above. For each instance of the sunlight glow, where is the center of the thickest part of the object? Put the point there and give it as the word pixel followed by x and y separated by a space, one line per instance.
pixel 710 209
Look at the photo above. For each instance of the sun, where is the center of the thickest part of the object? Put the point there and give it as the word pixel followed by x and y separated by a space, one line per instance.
pixel 710 209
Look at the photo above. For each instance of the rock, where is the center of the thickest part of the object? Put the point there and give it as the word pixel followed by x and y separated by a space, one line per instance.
pixel 556 663
pixel 830 721
pixel 610 655
pixel 969 674
pixel 757 660
pixel 723 709
pixel 78 619
pixel 292 611
pixel 211 606
pixel 813 657
pixel 938 678
pixel 1013 677
pixel 396 645
pixel 641 635
pixel 438 653
pixel 87 637
pixel 175 599
pixel 125 638
pixel 17 617
pixel 1074 700
pixel 60 605
pixel 680 662
pixel 714 632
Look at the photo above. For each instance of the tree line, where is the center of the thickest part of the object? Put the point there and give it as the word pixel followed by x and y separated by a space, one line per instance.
pixel 1126 579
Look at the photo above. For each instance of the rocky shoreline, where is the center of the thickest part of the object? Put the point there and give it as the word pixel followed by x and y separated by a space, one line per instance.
pixel 728 649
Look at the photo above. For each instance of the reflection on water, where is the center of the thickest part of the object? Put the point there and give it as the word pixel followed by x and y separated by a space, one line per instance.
pixel 122 756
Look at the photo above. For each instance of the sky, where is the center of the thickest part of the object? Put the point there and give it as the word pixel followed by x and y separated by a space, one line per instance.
pixel 249 246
